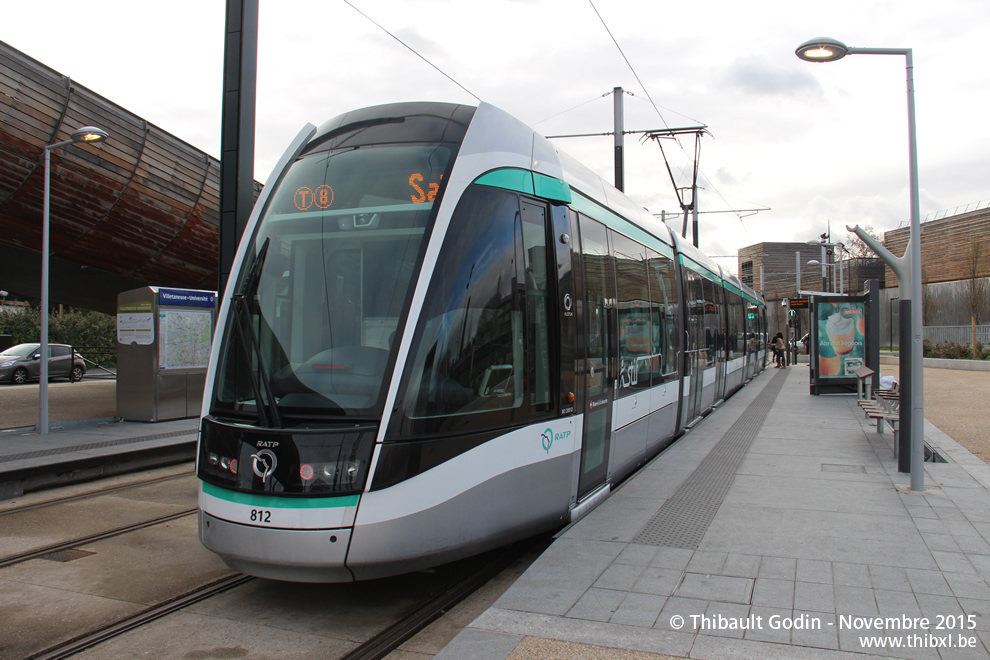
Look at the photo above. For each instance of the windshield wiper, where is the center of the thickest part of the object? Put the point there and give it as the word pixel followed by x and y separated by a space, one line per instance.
pixel 268 414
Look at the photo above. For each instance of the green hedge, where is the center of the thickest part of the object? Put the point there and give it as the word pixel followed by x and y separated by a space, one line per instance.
pixel 93 330
pixel 953 351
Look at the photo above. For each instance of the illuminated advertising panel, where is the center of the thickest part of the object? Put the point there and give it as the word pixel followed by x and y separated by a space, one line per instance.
pixel 841 338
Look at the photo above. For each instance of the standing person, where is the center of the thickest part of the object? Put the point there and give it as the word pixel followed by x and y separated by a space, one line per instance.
pixel 780 349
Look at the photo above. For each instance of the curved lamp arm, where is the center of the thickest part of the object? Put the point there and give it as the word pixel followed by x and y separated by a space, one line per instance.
pixel 899 265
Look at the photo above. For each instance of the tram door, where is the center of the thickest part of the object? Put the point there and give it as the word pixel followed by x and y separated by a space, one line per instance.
pixel 718 328
pixel 696 351
pixel 597 310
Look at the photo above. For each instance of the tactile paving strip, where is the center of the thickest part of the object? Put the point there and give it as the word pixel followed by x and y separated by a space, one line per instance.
pixel 684 518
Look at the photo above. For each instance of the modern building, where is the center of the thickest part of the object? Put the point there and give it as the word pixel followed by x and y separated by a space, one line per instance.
pixel 772 268
pixel 781 270
pixel 955 256
pixel 955 275
pixel 947 245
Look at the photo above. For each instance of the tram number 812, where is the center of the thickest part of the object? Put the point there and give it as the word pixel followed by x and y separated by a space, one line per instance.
pixel 261 515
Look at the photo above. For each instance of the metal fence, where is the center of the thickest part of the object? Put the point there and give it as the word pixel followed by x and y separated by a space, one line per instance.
pixel 100 360
pixel 960 334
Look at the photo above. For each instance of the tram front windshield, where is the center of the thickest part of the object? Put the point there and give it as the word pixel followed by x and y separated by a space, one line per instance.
pixel 318 302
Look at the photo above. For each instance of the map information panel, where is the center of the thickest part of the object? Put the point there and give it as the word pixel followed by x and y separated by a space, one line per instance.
pixel 184 339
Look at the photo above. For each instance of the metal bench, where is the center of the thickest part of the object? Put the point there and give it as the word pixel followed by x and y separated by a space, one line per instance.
pixel 884 408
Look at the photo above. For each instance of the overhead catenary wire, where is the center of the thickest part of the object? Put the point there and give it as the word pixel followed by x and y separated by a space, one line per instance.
pixel 579 105
pixel 478 98
pixel 413 51
pixel 628 63
pixel 655 107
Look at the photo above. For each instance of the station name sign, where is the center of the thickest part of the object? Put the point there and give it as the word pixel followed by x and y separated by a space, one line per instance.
pixel 187 298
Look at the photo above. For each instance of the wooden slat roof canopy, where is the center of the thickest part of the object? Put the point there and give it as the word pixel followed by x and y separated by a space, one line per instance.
pixel 143 205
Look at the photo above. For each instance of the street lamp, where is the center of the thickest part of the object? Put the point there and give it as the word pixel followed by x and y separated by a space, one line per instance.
pixel 841 288
pixel 907 267
pixel 84 134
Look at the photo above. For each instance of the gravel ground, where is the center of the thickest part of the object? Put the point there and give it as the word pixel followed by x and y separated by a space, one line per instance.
pixel 958 403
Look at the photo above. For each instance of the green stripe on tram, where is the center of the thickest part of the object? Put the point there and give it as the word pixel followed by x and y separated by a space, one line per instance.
pixel 550 188
pixel 269 502
pixel 509 179
pixel 688 262
pixel 612 220
pixel 530 183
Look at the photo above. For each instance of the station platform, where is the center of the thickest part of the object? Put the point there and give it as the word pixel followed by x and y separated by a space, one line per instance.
pixel 88 449
pixel 778 527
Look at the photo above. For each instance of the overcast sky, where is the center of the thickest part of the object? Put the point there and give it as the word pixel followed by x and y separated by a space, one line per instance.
pixel 814 143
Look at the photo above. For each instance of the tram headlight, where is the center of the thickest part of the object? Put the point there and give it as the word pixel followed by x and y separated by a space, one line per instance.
pixel 333 474
pixel 222 465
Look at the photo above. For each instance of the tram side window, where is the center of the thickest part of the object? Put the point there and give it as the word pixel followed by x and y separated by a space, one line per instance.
pixel 753 329
pixel 481 353
pixel 696 315
pixel 534 238
pixel 736 331
pixel 637 358
pixel 666 310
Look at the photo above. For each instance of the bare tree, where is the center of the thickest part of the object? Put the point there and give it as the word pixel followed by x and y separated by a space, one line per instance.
pixel 857 249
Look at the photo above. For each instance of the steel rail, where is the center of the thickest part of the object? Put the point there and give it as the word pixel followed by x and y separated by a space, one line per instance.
pixel 432 609
pixel 153 613
pixel 84 540
pixel 97 493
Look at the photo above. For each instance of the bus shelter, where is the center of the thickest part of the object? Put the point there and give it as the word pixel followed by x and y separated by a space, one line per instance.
pixel 845 335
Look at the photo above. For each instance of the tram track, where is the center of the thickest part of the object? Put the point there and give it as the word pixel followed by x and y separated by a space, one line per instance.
pixel 96 493
pixel 408 626
pixel 10 560
pixel 90 639
pixel 474 575
pixel 440 589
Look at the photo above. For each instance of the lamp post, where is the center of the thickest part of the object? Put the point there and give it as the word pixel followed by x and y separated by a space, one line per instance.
pixel 841 287
pixel 823 264
pixel 84 134
pixel 823 244
pixel 906 267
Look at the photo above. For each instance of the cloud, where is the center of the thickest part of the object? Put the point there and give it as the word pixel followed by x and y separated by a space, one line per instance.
pixel 758 75
pixel 727 176
pixel 421 44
